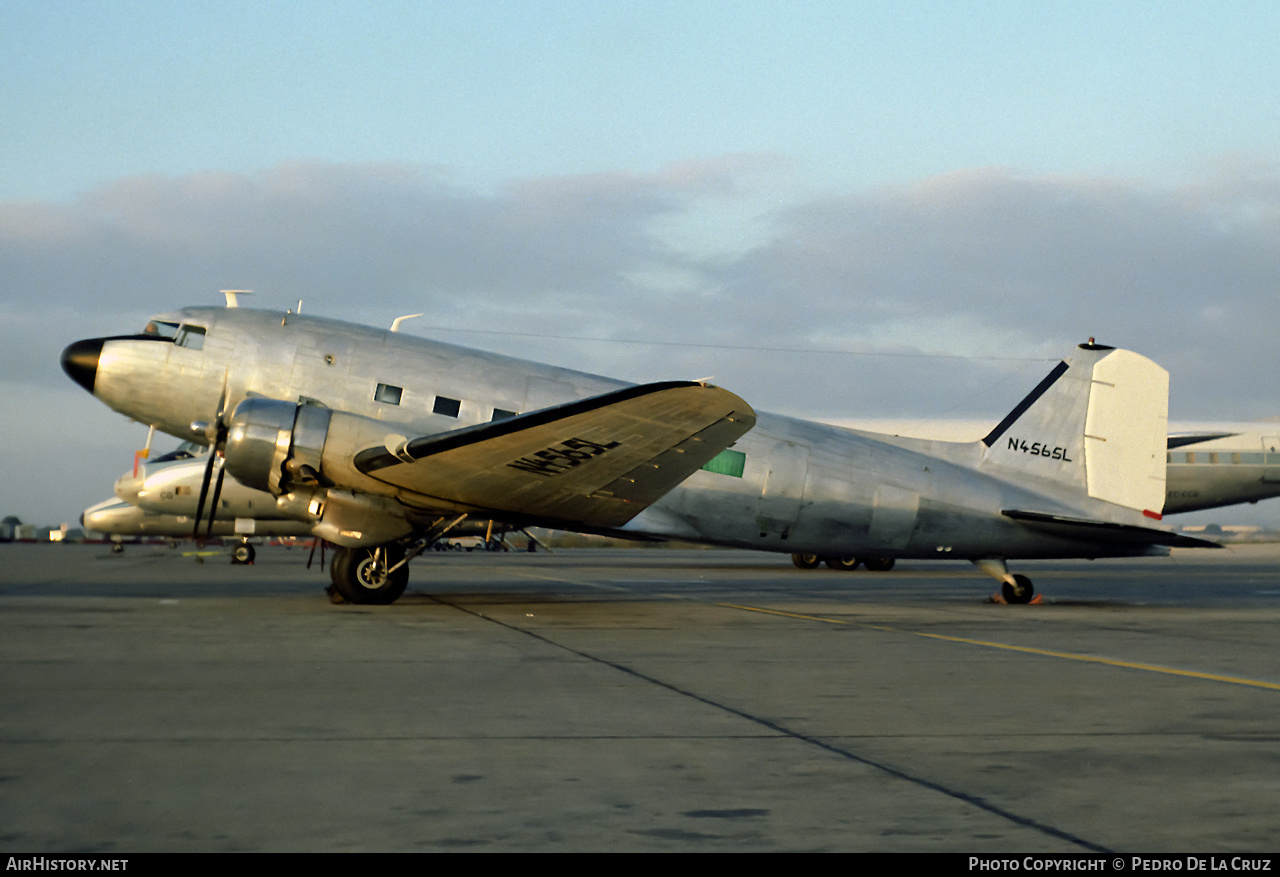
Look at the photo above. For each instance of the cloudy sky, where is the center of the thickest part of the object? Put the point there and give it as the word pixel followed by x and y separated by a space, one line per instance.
pixel 837 210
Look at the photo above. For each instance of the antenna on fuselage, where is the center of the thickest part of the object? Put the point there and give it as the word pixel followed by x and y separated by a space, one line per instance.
pixel 233 296
pixel 395 324
pixel 290 313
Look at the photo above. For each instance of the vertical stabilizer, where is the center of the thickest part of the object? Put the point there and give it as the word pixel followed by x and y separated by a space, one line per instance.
pixel 1097 423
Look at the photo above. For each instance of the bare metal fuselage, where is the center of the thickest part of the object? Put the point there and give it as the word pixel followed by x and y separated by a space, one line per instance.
pixel 1222 470
pixel 803 486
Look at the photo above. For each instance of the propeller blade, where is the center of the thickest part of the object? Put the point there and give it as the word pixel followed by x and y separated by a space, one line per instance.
pixel 204 491
pixel 219 440
pixel 217 494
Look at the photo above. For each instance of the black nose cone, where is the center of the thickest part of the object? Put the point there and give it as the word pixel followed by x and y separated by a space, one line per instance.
pixel 80 362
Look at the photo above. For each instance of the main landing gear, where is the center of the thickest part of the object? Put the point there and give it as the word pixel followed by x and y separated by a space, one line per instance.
pixel 369 575
pixel 846 562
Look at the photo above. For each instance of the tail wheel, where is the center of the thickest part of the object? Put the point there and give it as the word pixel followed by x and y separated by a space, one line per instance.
pixel 880 564
pixel 806 561
pixel 242 553
pixel 846 563
pixel 361 574
pixel 1021 591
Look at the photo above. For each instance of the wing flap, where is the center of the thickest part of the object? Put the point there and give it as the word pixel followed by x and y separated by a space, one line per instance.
pixel 593 462
pixel 648 482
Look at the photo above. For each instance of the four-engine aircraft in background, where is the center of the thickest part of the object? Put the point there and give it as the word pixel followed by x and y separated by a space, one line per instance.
pixel 380 441
pixel 1208 470
pixel 160 497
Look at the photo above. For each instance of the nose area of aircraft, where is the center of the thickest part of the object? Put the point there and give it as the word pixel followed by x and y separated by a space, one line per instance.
pixel 80 361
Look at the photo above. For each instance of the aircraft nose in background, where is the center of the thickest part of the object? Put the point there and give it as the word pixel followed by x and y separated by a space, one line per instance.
pixel 80 361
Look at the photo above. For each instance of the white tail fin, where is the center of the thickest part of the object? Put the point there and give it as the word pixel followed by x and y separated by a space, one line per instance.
pixel 1099 422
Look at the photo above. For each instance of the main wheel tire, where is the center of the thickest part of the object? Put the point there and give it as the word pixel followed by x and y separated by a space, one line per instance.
pixel 880 564
pixel 243 554
pixel 117 548
pixel 1020 592
pixel 806 561
pixel 846 563
pixel 360 574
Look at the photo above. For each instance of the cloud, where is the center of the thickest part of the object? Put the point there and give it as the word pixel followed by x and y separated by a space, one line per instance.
pixel 999 270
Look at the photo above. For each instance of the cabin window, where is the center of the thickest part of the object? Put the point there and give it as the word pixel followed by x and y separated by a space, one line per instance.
pixel 502 414
pixel 446 406
pixel 727 462
pixel 191 337
pixel 387 393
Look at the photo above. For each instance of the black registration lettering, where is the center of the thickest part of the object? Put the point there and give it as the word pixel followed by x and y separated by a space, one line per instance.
pixel 561 457
pixel 1039 449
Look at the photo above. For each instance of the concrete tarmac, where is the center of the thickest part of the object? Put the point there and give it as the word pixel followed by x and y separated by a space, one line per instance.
pixel 637 700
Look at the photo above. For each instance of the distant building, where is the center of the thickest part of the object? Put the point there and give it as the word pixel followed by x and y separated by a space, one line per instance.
pixel 9 527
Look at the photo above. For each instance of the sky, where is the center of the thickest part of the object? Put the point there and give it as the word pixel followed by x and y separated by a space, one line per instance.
pixel 836 210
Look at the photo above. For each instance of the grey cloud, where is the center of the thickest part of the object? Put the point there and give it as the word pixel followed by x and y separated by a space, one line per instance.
pixel 1007 268
pixel 1006 271
pixel 1186 275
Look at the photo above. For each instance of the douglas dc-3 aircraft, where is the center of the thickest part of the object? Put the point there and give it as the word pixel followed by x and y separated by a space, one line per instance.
pixel 379 441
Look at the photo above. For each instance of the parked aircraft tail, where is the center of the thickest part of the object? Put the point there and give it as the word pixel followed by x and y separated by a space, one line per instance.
pixel 1098 422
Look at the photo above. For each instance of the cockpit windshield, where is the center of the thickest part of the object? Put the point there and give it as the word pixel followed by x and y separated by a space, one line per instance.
pixel 161 329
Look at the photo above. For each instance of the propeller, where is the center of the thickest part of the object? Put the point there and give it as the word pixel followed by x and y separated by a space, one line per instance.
pixel 217 493
pixel 217 431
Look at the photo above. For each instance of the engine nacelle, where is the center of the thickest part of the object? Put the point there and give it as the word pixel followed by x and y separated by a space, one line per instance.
pixel 279 447
pixel 273 445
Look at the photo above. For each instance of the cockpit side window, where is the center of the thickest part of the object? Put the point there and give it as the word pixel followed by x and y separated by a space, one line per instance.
pixel 161 329
pixel 184 451
pixel 190 336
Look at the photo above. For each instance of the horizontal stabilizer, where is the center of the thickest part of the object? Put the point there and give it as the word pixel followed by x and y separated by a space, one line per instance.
pixel 1104 531
pixel 594 462
pixel 1181 441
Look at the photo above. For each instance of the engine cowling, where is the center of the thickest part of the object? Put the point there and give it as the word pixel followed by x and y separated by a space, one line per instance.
pixel 273 445
pixel 279 446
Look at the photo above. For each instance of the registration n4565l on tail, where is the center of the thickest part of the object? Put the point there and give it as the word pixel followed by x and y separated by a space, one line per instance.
pixel 380 441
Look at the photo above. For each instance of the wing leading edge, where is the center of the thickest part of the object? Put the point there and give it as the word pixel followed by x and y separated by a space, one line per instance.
pixel 594 462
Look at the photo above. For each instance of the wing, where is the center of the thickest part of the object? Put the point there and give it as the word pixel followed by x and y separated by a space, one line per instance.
pixel 595 462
